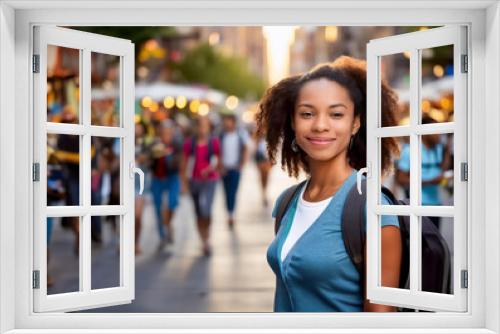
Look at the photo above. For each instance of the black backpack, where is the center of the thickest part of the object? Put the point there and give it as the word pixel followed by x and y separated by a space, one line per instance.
pixel 435 253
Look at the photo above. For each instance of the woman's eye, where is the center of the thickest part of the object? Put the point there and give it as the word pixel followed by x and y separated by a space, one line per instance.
pixel 336 114
pixel 305 114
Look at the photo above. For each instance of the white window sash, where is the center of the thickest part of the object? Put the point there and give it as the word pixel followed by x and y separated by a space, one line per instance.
pixel 413 298
pixel 86 43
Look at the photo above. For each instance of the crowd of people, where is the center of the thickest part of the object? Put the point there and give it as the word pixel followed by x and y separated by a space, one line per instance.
pixel 175 159
pixel 193 160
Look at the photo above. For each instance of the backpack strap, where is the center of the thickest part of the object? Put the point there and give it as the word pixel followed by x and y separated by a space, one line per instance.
pixel 194 141
pixel 353 226
pixel 241 142
pixel 353 229
pixel 284 204
pixel 210 147
pixel 353 221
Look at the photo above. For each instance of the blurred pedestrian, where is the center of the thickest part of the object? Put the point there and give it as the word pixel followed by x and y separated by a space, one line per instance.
pixel 234 148
pixel 318 123
pixel 166 156
pixel 200 172
pixel 263 164
pixel 435 159
pixel 104 181
pixel 68 153
pixel 55 193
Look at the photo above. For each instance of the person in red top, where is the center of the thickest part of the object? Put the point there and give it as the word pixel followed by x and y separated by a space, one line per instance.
pixel 200 172
pixel 166 156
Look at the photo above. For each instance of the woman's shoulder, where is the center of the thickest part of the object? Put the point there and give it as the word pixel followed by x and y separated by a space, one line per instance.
pixel 284 194
pixel 388 219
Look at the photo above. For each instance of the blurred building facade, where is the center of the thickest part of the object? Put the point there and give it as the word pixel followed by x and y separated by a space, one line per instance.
pixel 314 45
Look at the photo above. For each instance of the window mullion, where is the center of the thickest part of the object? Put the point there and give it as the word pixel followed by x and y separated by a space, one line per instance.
pixel 85 159
pixel 415 262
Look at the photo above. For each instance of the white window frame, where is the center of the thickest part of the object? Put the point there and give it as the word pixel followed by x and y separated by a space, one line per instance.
pixel 86 44
pixel 16 20
pixel 456 36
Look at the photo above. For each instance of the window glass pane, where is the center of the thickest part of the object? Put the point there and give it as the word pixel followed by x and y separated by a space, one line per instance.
pixel 395 70
pixel 105 105
pixel 437 254
pixel 105 253
pixel 397 176
pixel 437 84
pixel 437 169
pixel 388 251
pixel 63 84
pixel 63 265
pixel 105 184
pixel 63 170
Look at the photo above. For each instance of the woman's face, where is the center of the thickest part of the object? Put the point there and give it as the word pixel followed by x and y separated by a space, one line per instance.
pixel 139 130
pixel 166 135
pixel 203 128
pixel 323 119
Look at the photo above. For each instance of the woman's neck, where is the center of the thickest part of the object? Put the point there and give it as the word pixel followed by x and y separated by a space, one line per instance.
pixel 202 139
pixel 326 178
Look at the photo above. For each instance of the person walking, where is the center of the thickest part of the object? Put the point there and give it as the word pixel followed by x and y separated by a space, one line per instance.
pixel 68 154
pixel 263 164
pixel 318 123
pixel 166 158
pixel 201 164
pixel 435 160
pixel 234 148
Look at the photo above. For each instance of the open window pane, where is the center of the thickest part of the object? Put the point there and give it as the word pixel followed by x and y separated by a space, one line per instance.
pixel 437 254
pixel 437 84
pixel 63 170
pixel 105 104
pixel 63 84
pixel 105 184
pixel 63 257
pixel 437 169
pixel 105 254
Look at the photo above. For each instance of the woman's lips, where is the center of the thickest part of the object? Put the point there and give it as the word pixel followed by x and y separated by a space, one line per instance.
pixel 320 141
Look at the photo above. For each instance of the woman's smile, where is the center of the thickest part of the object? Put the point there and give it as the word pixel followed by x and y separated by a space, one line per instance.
pixel 320 140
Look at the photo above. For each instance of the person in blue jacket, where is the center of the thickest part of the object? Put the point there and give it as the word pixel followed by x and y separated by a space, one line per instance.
pixel 316 122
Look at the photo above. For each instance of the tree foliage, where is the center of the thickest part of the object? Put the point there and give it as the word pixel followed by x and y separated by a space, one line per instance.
pixel 138 35
pixel 206 65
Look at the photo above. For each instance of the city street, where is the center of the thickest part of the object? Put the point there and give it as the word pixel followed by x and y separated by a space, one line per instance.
pixel 236 278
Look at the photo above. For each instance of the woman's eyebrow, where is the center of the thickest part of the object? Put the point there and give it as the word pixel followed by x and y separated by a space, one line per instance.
pixel 338 105
pixel 305 104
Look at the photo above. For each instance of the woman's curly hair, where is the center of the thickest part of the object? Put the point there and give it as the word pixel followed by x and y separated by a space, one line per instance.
pixel 278 105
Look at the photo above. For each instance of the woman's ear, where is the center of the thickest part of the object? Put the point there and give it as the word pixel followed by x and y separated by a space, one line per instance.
pixel 356 125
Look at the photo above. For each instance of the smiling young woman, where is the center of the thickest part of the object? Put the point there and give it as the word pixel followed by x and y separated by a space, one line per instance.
pixel 318 122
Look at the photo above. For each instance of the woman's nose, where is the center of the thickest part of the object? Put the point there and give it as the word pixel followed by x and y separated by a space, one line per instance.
pixel 321 123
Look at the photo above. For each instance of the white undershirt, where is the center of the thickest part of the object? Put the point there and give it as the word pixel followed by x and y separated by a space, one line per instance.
pixel 305 215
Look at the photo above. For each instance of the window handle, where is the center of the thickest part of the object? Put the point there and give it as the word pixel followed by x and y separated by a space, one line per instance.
pixel 364 170
pixel 133 171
